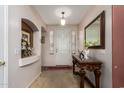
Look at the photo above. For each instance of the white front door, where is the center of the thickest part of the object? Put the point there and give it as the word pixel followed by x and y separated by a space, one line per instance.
pixel 62 41
pixel 2 45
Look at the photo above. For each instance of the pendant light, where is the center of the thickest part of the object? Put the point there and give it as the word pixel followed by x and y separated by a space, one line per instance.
pixel 63 19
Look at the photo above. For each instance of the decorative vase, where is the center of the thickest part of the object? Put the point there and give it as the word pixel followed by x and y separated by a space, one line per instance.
pixel 86 51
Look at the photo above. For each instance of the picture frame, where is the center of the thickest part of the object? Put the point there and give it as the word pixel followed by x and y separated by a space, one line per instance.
pixel 26 36
pixel 43 39
pixel 27 33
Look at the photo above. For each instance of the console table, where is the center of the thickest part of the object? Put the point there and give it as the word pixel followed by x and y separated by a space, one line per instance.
pixel 91 65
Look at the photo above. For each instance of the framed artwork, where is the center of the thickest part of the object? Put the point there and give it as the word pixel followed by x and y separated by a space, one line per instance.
pixel 26 40
pixel 43 39
pixel 26 49
pixel 26 36
pixel 27 31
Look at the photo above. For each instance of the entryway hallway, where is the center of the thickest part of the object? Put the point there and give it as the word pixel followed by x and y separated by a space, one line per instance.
pixel 35 38
pixel 57 79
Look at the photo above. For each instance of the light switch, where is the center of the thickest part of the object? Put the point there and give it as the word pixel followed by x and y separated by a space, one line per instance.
pixel 17 51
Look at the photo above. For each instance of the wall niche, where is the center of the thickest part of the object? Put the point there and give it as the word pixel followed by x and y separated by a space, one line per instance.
pixel 28 28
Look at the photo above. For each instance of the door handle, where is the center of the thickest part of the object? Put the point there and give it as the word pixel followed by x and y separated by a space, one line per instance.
pixel 115 67
pixel 2 62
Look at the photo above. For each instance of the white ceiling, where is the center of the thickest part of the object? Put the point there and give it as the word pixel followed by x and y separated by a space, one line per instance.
pixel 51 13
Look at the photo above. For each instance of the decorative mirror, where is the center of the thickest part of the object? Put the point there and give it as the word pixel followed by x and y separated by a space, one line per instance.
pixel 95 33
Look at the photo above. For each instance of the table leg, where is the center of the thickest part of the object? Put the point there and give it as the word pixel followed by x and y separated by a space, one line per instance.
pixel 97 78
pixel 73 67
pixel 82 76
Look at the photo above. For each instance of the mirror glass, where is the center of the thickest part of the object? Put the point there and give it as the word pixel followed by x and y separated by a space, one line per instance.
pixel 94 33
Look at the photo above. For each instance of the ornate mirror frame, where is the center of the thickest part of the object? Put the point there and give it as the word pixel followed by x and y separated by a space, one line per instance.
pixel 102 31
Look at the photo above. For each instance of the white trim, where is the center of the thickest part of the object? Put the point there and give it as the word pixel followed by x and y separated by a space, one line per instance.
pixel 33 80
pixel 28 60
pixel 6 46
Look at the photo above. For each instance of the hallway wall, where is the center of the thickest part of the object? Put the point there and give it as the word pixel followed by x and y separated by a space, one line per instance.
pixel 22 76
pixel 105 55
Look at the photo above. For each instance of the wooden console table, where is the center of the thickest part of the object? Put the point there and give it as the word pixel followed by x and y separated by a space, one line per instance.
pixel 91 65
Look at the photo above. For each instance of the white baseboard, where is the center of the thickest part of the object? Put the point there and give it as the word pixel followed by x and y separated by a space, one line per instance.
pixel 33 80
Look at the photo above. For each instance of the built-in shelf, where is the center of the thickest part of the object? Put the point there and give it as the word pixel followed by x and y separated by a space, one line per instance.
pixel 28 60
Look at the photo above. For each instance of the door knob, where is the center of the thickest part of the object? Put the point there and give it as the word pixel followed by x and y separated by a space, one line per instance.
pixel 115 67
pixel 2 62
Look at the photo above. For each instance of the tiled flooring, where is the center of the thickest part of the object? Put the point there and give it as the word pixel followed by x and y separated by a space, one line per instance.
pixel 57 79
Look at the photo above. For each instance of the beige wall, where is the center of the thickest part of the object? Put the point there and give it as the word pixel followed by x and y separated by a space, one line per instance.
pixel 22 76
pixel 105 55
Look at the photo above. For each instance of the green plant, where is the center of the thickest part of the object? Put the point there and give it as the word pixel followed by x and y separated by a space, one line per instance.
pixel 91 43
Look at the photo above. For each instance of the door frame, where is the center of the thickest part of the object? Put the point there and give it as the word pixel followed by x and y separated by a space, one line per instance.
pixel 43 41
pixel 5 13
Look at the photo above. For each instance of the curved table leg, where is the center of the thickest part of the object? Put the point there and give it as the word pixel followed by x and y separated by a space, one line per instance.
pixel 97 78
pixel 73 67
pixel 82 76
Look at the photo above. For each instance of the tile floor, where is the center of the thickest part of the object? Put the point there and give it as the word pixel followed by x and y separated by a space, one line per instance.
pixel 57 79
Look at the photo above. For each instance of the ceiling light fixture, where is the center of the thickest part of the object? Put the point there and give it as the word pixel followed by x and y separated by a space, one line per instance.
pixel 63 19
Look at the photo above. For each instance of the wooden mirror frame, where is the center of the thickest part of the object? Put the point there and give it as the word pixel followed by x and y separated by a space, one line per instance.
pixel 102 31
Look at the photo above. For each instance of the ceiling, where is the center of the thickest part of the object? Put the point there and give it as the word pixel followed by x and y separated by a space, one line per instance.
pixel 51 14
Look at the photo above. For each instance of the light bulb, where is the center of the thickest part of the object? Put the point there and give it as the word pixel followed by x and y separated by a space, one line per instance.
pixel 63 21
